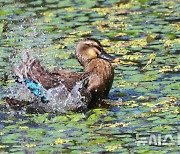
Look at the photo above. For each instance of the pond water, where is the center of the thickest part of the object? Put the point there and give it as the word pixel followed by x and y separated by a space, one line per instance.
pixel 144 117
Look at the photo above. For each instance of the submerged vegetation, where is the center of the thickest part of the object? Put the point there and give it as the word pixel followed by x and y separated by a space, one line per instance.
pixel 145 93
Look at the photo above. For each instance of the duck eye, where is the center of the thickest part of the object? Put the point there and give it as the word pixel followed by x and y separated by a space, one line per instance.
pixel 99 50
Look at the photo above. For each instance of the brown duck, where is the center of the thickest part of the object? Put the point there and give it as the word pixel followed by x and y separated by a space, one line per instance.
pixel 96 80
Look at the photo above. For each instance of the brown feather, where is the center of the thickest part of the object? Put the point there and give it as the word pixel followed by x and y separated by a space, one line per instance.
pixel 99 71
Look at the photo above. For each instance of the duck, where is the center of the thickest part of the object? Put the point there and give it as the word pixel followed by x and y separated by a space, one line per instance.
pixel 93 84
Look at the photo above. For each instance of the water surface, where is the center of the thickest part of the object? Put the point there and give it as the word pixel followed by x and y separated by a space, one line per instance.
pixel 145 93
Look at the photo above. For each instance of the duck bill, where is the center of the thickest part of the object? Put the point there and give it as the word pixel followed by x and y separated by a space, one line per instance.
pixel 108 57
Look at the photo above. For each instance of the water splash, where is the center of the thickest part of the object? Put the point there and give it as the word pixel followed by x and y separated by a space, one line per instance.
pixel 20 92
pixel 24 36
pixel 61 100
pixel 28 38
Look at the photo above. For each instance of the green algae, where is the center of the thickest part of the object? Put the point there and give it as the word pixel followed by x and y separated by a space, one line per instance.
pixel 145 94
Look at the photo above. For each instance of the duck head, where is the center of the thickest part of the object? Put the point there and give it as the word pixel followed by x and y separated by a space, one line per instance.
pixel 88 49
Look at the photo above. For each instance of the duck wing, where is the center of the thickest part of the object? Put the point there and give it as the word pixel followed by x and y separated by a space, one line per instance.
pixel 31 69
pixel 31 73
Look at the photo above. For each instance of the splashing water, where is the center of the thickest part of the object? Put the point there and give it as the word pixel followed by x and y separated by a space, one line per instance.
pixel 20 92
pixel 59 98
pixel 25 37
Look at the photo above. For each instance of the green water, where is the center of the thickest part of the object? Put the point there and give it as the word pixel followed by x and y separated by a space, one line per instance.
pixel 144 117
